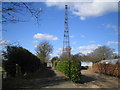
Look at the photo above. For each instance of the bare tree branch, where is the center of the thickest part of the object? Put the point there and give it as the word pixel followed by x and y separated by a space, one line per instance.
pixel 12 10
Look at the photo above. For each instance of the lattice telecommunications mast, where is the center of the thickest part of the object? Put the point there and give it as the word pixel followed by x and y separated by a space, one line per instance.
pixel 66 41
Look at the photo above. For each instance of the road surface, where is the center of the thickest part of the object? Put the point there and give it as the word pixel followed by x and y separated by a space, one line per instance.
pixel 89 79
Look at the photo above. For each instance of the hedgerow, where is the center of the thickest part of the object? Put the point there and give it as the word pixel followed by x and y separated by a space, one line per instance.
pixel 70 68
pixel 75 71
pixel 63 66
pixel 109 69
pixel 27 62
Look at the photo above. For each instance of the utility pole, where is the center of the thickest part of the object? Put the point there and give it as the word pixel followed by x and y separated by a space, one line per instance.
pixel 66 41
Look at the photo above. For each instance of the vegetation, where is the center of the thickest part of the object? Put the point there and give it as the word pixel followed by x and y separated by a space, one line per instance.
pixel 79 57
pixel 54 61
pixel 12 10
pixel 64 66
pixel 109 69
pixel 100 53
pixel 64 56
pixel 18 59
pixel 43 50
pixel 70 68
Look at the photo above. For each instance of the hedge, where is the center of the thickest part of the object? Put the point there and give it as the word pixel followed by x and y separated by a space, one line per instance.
pixel 26 61
pixel 109 69
pixel 54 64
pixel 70 68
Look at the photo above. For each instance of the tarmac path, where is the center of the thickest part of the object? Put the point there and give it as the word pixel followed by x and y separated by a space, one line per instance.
pixel 89 79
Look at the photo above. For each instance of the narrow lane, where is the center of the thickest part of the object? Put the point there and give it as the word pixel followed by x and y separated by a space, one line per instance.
pixel 53 79
pixel 96 80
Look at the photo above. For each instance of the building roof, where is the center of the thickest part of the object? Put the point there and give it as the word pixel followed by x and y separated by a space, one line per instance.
pixel 86 63
pixel 111 61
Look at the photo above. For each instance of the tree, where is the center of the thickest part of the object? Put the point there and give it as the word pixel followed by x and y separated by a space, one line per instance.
pixel 54 59
pixel 43 50
pixel 11 11
pixel 64 56
pixel 77 57
pixel 101 53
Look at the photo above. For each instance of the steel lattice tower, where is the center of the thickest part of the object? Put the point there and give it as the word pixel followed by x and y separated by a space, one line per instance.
pixel 66 41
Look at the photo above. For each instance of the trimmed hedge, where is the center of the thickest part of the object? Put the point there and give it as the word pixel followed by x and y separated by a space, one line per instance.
pixel 54 64
pixel 24 59
pixel 70 68
pixel 109 69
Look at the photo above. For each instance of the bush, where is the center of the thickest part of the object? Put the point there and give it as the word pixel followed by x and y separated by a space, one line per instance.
pixel 75 71
pixel 109 69
pixel 63 66
pixel 70 68
pixel 27 61
pixel 54 64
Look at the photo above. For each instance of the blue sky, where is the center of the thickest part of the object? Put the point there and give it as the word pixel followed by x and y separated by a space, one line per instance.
pixel 90 25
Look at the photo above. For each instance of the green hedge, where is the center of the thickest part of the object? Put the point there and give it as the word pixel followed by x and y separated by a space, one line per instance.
pixel 70 68
pixel 26 61
pixel 63 66
pixel 54 64
pixel 75 71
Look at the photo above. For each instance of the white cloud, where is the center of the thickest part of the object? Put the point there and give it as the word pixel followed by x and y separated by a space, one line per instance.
pixel 115 53
pixel 110 26
pixel 82 18
pixel 112 42
pixel 36 46
pixel 85 10
pixel 82 36
pixel 82 49
pixel 73 50
pixel 91 41
pixel 58 51
pixel 74 42
pixel 87 49
pixel 35 41
pixel 51 54
pixel 3 42
pixel 71 36
pixel 116 28
pixel 90 47
pixel 45 36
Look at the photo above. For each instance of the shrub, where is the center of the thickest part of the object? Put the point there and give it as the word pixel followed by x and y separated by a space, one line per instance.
pixel 109 69
pixel 75 71
pixel 27 61
pixel 117 70
pixel 70 68
pixel 54 64
pixel 63 66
